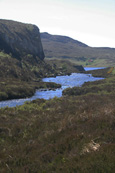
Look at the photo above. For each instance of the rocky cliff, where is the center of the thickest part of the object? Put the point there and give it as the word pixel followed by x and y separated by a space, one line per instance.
pixel 21 52
pixel 22 55
pixel 20 39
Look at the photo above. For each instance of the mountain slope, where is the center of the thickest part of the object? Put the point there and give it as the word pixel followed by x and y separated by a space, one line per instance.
pixel 63 47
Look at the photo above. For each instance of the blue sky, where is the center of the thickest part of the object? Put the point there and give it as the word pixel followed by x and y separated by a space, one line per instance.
pixel 89 21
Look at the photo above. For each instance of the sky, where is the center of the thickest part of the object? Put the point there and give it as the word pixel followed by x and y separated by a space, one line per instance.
pixel 89 21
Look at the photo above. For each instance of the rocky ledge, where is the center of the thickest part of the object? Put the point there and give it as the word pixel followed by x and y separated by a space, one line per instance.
pixel 20 39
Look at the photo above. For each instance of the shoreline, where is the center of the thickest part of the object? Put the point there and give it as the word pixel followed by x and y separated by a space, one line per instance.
pixel 48 86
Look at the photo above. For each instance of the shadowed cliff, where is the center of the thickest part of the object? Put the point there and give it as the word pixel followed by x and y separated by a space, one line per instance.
pixel 20 39
pixel 22 55
pixel 21 52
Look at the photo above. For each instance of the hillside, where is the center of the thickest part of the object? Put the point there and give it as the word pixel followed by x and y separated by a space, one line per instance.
pixel 22 61
pixel 70 134
pixel 74 133
pixel 20 39
pixel 21 52
pixel 63 47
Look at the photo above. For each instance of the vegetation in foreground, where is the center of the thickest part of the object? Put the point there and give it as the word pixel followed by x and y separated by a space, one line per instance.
pixel 68 134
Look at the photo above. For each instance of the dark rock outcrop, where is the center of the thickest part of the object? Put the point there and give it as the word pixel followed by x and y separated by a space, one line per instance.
pixel 22 56
pixel 20 39
pixel 79 67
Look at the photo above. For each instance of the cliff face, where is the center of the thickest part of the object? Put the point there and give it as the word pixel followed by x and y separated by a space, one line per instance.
pixel 20 39
pixel 21 53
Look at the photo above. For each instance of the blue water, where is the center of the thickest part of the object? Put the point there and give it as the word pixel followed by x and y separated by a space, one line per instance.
pixel 93 68
pixel 75 79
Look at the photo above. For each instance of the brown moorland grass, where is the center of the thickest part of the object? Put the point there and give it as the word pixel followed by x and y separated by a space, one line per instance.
pixel 65 48
pixel 20 78
pixel 68 134
pixel 14 89
pixel 59 135
pixel 105 86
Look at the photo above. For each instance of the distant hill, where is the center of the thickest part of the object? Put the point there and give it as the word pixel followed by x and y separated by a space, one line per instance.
pixel 61 39
pixel 63 47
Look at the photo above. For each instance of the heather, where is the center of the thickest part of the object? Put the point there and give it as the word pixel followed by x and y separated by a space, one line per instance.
pixel 67 134
pixel 71 134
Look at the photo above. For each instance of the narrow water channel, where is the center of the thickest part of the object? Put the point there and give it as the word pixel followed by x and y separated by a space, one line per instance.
pixel 75 79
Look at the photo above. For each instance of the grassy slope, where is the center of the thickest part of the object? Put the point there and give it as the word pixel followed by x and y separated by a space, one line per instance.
pixel 20 78
pixel 59 47
pixel 14 89
pixel 63 67
pixel 68 134
pixel 106 86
